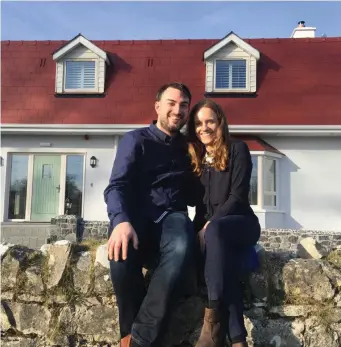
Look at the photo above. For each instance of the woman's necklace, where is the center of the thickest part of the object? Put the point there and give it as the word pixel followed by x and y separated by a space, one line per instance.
pixel 208 158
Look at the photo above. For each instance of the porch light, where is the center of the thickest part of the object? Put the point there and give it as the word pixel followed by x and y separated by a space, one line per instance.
pixel 93 161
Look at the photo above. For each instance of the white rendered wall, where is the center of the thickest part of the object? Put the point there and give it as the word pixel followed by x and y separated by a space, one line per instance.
pixel 310 177
pixel 310 182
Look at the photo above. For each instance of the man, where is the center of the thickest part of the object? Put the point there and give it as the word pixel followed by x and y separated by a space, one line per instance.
pixel 147 200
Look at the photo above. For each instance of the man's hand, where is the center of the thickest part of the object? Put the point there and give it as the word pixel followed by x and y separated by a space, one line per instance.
pixel 120 237
pixel 201 236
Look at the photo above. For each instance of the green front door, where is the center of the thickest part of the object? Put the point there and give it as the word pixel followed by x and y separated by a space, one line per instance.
pixel 46 188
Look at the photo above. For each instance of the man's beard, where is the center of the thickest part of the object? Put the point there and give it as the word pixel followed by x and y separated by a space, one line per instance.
pixel 172 128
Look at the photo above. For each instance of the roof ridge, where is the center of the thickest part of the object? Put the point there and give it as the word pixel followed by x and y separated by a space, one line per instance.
pixel 161 41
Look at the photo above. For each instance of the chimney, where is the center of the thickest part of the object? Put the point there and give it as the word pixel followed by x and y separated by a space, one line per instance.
pixel 301 31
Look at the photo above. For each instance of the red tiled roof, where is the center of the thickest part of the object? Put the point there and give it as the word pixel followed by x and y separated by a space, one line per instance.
pixel 257 144
pixel 299 82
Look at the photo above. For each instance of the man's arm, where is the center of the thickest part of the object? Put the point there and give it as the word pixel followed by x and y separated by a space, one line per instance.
pixel 119 193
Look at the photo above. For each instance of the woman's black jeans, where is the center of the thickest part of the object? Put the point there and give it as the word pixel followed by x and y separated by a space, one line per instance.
pixel 224 238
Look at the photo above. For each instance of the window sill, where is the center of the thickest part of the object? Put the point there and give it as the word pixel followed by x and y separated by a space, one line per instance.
pixel 257 209
pixel 80 95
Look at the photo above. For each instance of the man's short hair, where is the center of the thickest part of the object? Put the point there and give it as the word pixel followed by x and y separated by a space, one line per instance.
pixel 176 85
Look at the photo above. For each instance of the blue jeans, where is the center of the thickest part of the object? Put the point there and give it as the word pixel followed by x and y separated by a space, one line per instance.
pixel 169 246
pixel 225 238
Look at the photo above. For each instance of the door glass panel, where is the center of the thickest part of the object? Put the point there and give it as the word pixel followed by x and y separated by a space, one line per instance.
pixel 47 170
pixel 74 184
pixel 18 187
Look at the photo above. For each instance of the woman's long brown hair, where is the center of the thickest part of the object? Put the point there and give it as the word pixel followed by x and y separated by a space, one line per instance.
pixel 221 144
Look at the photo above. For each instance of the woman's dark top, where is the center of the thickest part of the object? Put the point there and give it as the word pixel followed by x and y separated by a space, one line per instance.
pixel 226 192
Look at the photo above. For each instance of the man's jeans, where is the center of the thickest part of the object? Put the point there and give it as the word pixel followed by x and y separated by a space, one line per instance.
pixel 170 246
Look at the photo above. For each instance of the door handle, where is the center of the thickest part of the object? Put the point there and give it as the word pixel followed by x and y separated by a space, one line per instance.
pixel 58 188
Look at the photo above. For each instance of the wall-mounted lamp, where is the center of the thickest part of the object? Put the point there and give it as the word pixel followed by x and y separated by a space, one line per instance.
pixel 93 161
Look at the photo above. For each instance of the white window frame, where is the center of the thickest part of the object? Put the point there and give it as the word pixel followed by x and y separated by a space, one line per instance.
pixel 234 90
pixel 261 207
pixel 81 90
pixel 29 191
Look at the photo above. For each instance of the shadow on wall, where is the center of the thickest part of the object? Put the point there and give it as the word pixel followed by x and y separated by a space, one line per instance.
pixel 287 168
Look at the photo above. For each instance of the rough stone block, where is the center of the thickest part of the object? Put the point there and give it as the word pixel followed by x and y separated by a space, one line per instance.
pixel 58 257
pixel 105 329
pixel 82 272
pixel 29 318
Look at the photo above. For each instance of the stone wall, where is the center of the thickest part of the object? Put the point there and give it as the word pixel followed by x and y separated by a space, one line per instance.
pixel 75 228
pixel 62 296
pixel 287 240
pixel 283 240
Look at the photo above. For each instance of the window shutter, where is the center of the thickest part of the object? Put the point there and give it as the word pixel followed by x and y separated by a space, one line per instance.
pixel 80 75
pixel 230 74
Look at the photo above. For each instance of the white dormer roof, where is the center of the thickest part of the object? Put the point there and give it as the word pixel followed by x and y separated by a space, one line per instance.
pixel 76 41
pixel 232 37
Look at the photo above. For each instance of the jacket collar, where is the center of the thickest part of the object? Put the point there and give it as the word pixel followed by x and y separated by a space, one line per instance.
pixel 162 135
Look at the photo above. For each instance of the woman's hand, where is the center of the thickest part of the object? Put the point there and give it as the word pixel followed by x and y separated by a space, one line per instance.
pixel 201 236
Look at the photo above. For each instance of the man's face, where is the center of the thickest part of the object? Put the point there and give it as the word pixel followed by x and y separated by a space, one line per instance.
pixel 172 110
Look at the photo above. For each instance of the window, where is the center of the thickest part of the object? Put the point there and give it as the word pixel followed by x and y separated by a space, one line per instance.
pixel 74 184
pixel 80 75
pixel 253 195
pixel 230 74
pixel 18 187
pixel 269 182
pixel 263 186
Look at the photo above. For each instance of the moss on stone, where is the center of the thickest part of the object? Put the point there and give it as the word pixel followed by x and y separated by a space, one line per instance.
pixel 334 257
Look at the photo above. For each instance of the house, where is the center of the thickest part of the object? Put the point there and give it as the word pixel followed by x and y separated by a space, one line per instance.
pixel 65 106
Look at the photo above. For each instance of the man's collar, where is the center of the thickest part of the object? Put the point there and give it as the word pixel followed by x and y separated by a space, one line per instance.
pixel 162 135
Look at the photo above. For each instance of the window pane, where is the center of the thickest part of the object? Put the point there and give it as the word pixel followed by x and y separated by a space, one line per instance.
pixel 80 74
pixel 230 74
pixel 222 74
pixel 253 195
pixel 18 187
pixel 74 185
pixel 269 175
pixel 270 200
pixel 239 74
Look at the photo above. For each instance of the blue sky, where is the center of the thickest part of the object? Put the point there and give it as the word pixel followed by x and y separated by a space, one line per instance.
pixel 63 20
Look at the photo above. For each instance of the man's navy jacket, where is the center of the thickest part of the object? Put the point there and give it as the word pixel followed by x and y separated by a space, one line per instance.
pixel 151 175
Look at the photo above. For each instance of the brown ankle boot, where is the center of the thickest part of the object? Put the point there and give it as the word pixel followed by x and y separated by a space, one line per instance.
pixel 125 342
pixel 212 334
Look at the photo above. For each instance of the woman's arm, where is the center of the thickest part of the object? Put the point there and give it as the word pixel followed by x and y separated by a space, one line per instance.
pixel 240 181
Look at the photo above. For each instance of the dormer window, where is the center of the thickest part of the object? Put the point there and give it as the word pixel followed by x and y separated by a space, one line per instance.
pixel 231 66
pixel 230 74
pixel 80 67
pixel 80 75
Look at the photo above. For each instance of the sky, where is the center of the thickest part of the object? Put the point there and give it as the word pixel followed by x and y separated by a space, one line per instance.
pixel 142 20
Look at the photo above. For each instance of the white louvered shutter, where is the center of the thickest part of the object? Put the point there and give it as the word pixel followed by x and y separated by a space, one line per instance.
pixel 230 74
pixel 80 75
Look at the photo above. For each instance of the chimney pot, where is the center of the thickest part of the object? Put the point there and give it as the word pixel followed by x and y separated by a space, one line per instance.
pixel 301 31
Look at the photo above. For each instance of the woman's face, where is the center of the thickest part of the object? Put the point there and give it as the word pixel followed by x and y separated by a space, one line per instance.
pixel 206 126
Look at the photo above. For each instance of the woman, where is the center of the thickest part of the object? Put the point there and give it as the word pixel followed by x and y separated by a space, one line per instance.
pixel 225 220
